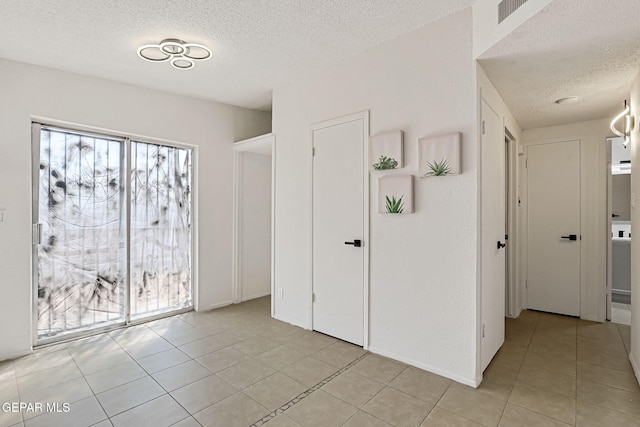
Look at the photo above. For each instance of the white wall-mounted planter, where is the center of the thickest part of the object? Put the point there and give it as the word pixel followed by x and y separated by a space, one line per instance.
pixel 439 155
pixel 398 189
pixel 387 145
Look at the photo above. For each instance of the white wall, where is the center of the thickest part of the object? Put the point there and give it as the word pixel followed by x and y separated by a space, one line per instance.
pixel 593 135
pixel 486 30
pixel 255 241
pixel 422 266
pixel 27 91
pixel 635 225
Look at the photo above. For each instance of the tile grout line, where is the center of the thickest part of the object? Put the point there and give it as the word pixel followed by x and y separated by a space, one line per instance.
pixel 84 377
pixel 167 392
pixel 95 395
pixel 306 393
pixel 535 327
pixel 15 378
pixel 388 384
pixel 149 375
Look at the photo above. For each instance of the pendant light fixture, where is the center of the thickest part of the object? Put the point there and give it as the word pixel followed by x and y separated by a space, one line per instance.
pixel 628 124
pixel 180 54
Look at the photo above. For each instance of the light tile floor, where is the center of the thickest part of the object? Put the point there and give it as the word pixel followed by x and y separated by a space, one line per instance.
pixel 238 367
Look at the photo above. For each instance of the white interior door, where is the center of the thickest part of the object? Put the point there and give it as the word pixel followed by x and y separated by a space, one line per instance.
pixel 493 234
pixel 553 176
pixel 338 206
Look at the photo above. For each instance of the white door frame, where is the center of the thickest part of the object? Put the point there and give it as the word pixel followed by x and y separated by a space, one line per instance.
pixel 608 227
pixel 363 115
pixel 484 358
pixel 263 144
pixel 514 306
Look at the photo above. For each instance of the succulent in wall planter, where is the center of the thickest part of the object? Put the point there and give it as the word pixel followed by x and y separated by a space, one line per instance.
pixel 438 168
pixel 385 162
pixel 394 205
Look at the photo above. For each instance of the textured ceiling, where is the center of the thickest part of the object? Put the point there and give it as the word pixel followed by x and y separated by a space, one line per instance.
pixel 589 49
pixel 257 44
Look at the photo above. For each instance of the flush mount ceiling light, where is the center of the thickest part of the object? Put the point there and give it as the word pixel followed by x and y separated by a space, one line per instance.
pixel 628 124
pixel 180 54
pixel 567 100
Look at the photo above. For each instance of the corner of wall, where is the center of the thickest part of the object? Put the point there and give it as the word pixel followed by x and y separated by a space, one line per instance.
pixel 635 223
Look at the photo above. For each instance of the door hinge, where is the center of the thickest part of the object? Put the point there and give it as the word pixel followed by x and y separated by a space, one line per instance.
pixel 313 297
pixel 483 127
pixel 526 163
pixel 313 151
pixel 526 284
pixel 36 234
pixel 483 330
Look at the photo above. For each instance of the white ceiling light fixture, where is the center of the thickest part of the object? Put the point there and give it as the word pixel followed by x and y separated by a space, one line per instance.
pixel 628 124
pixel 180 54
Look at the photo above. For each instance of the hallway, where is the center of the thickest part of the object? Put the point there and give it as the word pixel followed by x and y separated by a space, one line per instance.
pixel 236 366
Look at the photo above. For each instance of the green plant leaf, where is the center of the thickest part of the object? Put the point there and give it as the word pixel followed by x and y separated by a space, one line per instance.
pixel 394 205
pixel 385 162
pixel 438 168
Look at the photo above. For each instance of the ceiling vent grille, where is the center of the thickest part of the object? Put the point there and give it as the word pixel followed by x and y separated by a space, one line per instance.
pixel 507 7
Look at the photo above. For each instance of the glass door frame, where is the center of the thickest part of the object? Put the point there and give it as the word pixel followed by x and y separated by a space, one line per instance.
pixel 36 128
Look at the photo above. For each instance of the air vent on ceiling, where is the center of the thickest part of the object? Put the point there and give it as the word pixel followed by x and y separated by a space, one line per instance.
pixel 507 7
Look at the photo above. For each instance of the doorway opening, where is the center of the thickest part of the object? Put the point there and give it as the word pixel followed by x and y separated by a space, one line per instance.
pixel 112 241
pixel 253 214
pixel 619 232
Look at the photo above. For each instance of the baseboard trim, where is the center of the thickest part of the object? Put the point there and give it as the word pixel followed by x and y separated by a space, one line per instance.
pixel 260 295
pixel 15 354
pixel 635 367
pixel 289 322
pixel 214 306
pixel 591 318
pixel 457 378
pixel 516 315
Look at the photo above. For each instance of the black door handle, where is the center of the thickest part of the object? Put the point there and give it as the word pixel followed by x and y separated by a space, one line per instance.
pixel 501 245
pixel 570 237
pixel 356 243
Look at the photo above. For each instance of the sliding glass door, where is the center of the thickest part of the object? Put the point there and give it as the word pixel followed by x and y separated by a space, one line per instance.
pixel 160 228
pixel 112 232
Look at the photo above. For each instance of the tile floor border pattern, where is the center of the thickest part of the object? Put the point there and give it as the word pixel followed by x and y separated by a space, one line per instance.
pixel 306 393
